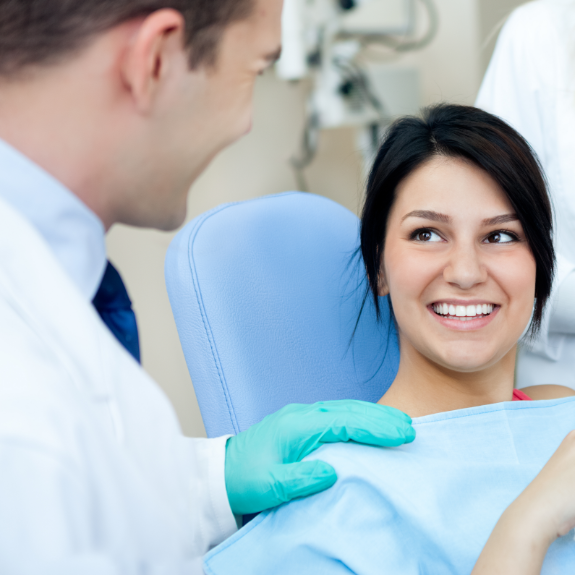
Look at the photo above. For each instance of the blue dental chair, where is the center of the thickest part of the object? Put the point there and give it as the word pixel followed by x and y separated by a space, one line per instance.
pixel 266 295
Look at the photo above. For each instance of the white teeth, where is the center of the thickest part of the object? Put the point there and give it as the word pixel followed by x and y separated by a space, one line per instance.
pixel 465 312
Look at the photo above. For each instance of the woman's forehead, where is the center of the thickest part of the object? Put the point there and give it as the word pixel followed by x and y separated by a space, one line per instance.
pixel 453 188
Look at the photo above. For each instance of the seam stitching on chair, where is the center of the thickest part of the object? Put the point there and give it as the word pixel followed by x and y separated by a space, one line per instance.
pixel 195 282
pixel 205 321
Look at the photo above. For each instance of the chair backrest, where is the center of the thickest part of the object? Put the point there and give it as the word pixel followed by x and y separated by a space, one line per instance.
pixel 266 294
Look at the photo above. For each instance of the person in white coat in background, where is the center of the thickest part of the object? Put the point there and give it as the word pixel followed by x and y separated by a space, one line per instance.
pixel 109 110
pixel 530 83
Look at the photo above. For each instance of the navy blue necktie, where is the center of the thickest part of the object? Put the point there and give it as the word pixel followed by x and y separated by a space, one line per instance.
pixel 115 308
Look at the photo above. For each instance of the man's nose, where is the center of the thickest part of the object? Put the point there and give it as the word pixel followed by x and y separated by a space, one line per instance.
pixel 465 268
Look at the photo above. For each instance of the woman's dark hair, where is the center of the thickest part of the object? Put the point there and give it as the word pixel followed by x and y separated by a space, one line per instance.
pixel 484 140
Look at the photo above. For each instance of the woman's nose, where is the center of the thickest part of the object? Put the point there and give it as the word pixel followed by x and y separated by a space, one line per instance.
pixel 465 268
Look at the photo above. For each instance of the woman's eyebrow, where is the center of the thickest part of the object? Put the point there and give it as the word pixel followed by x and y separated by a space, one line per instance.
pixel 438 217
pixel 428 215
pixel 503 219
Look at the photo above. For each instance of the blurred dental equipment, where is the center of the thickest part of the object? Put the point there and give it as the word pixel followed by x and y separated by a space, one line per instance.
pixel 327 43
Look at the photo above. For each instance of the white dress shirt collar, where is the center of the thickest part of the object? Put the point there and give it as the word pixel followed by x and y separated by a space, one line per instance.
pixel 73 232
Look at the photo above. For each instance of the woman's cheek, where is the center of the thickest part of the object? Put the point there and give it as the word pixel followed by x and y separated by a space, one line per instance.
pixel 516 276
pixel 408 277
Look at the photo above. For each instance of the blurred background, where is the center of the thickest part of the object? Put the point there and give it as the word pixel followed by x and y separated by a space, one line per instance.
pixel 390 60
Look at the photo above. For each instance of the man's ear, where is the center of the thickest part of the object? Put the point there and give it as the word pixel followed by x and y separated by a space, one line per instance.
pixel 157 50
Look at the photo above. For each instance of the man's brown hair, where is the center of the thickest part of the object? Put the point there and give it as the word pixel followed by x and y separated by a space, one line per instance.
pixel 41 32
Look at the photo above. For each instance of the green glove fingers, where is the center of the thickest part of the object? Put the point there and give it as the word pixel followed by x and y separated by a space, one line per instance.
pixel 361 408
pixel 383 430
pixel 284 483
pixel 290 481
pixel 263 467
pixel 293 480
pixel 376 435
pixel 366 423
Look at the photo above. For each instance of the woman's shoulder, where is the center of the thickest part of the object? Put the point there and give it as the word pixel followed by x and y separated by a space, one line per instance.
pixel 550 391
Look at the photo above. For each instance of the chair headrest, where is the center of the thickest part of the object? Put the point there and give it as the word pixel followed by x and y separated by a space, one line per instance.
pixel 266 295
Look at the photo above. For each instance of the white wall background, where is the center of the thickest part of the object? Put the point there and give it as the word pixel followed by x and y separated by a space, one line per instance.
pixel 450 69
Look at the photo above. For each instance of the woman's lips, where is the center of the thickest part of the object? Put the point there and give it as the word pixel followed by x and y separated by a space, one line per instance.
pixel 463 317
pixel 462 310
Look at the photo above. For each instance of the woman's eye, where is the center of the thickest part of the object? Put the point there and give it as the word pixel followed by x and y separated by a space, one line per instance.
pixel 426 236
pixel 500 238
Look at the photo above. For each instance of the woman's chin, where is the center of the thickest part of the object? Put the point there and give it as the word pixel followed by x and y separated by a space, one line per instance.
pixel 469 361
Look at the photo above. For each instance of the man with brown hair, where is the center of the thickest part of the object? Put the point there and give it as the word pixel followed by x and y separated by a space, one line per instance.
pixel 109 110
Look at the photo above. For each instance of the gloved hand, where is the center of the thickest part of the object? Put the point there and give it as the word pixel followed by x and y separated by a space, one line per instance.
pixel 263 464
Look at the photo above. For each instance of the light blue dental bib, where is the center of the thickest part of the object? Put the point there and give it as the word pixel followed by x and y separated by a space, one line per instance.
pixel 424 508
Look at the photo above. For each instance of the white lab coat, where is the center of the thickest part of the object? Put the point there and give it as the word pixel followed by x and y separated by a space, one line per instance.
pixel 95 476
pixel 530 83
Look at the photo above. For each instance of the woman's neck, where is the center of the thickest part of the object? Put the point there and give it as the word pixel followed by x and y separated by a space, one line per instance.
pixel 422 387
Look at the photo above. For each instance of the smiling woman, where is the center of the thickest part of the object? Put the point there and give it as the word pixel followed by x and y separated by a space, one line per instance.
pixel 456 230
pixel 440 264
pixel 490 154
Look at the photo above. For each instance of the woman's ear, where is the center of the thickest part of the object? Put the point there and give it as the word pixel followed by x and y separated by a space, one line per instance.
pixel 382 289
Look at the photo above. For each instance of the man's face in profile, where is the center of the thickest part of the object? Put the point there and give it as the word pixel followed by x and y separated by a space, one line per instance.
pixel 127 124
pixel 212 107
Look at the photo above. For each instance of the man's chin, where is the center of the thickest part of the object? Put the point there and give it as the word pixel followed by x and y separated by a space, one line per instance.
pixel 161 219
pixel 173 221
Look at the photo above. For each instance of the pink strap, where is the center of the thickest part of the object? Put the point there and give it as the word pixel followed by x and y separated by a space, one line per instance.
pixel 518 395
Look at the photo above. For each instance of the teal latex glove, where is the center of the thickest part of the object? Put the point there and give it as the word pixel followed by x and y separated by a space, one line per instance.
pixel 263 464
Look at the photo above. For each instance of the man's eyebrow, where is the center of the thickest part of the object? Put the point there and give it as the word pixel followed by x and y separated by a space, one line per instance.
pixel 274 56
pixel 503 219
pixel 428 215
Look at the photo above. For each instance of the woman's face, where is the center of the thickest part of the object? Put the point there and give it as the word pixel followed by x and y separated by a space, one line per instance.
pixel 457 266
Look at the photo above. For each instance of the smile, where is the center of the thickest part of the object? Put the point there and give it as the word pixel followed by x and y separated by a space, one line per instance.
pixel 463 312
